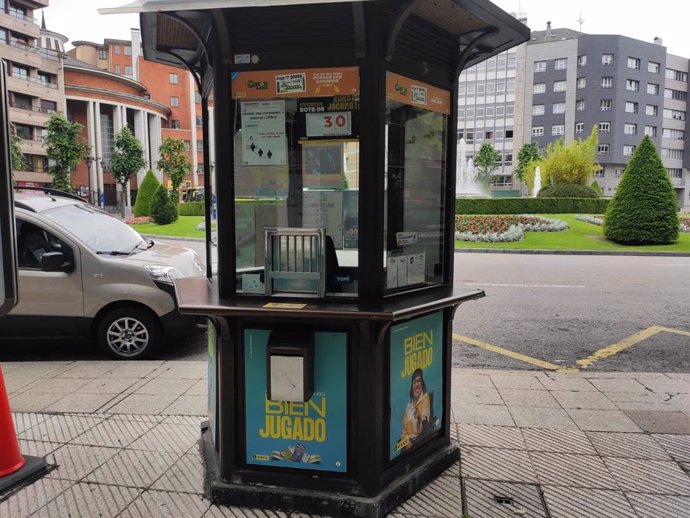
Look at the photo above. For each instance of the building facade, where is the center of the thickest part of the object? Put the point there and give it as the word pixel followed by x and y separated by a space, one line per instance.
pixel 568 82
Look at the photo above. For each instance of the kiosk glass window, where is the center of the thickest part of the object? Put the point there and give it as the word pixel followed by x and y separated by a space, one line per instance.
pixel 296 142
pixel 415 183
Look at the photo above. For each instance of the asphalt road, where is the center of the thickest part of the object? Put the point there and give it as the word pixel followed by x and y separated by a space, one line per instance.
pixel 551 308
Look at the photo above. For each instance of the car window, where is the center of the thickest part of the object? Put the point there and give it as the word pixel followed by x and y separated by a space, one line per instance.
pixel 98 230
pixel 34 241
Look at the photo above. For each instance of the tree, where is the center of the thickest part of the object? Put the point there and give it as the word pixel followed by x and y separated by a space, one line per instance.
pixel 644 209
pixel 126 160
pixel 570 164
pixel 174 162
pixel 142 207
pixel 528 153
pixel 486 161
pixel 65 148
pixel 18 163
pixel 163 209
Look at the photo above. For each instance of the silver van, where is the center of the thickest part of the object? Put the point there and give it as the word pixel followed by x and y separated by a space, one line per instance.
pixel 84 273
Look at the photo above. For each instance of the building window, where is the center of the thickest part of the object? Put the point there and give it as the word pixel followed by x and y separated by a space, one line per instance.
pixel 634 63
pixel 490 111
pixel 603 149
pixel 187 145
pixel 20 72
pixel 174 101
pixel 470 113
pixel 630 107
pixel 607 82
pixel 676 75
pixel 508 159
pixel 558 129
pixel 480 113
pixel 197 97
pixel 558 108
pixel 199 145
pixel 580 105
pixel 175 124
pixel 509 135
pixel 199 122
pixel 628 150
pixel 173 78
pixel 581 60
pixel 22 131
pixel 491 88
pixel 653 67
pixel 481 88
pixel 606 105
pixel 128 70
pixel 676 95
pixel 651 110
pixel 650 131
pixel 676 154
pixel 510 110
pixel 632 84
pixel 500 87
pixel 500 111
pixel 510 85
pixel 45 79
pixel 579 127
pixel 604 127
pixel 116 50
pixel 599 173
pixel 675 172
pixel 470 89
pixel 673 134
pixel 560 64
pixel 117 69
pixel 128 50
pixel 512 62
pixel 630 129
pixel 607 59
pixel 538 109
pixel 674 114
pixel 652 89
pixel 581 83
pixel 540 66
pixel 48 106
pixel 102 54
pixel 539 88
pixel 559 86
pixel 538 131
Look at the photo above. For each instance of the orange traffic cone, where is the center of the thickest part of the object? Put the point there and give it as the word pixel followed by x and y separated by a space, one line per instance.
pixel 15 469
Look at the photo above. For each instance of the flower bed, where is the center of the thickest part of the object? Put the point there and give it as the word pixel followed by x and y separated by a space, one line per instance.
pixel 685 223
pixel 141 220
pixel 497 229
pixel 599 220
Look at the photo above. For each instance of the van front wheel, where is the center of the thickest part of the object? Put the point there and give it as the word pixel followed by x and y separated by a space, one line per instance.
pixel 128 334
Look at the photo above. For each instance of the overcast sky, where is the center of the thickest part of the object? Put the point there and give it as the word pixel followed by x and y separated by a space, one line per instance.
pixel 639 19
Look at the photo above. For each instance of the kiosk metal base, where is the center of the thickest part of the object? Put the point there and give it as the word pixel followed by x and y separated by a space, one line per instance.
pixel 320 502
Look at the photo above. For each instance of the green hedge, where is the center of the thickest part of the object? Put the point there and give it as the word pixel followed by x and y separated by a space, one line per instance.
pixel 531 205
pixel 191 208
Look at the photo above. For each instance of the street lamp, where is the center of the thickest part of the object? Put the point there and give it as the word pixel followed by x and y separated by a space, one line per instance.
pixel 92 194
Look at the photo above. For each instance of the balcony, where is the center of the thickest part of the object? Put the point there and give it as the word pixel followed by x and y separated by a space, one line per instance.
pixel 21 54
pixel 677 182
pixel 33 146
pixel 33 177
pixel 34 87
pixel 31 116
pixel 21 25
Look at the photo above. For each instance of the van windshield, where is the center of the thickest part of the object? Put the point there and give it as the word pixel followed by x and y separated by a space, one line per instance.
pixel 98 230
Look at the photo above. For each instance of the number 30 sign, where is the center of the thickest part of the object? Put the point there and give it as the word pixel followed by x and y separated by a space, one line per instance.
pixel 328 124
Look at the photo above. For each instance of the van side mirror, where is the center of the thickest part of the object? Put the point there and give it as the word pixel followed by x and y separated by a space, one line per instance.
pixel 54 262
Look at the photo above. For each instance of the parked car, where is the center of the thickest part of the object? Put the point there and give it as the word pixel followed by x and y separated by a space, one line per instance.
pixel 84 273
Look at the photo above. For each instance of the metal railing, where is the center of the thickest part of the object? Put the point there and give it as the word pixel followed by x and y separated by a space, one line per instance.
pixel 21 16
pixel 36 109
pixel 295 261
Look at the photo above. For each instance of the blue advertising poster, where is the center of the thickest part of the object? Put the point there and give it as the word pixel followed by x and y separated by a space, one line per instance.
pixel 296 435
pixel 212 377
pixel 416 383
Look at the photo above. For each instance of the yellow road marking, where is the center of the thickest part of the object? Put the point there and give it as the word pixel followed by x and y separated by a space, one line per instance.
pixel 613 349
pixel 676 331
pixel 511 354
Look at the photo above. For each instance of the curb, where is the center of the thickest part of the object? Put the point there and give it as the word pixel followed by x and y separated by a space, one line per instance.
pixel 566 252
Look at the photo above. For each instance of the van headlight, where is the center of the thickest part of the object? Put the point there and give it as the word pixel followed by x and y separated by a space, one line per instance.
pixel 164 274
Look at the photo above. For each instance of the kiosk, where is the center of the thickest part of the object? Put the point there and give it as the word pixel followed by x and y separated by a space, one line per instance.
pixel 330 317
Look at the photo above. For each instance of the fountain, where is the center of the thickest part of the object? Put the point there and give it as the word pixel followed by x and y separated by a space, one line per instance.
pixel 466 185
pixel 537 182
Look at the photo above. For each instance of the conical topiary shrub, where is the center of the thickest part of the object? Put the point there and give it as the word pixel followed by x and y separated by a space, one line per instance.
pixel 163 209
pixel 644 209
pixel 142 207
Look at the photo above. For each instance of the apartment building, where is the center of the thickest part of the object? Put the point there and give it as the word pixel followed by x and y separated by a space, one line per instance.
pixel 567 82
pixel 35 83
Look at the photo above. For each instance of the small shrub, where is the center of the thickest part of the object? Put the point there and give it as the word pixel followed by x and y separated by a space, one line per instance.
pixel 567 190
pixel 191 208
pixel 597 188
pixel 530 205
pixel 163 208
pixel 142 206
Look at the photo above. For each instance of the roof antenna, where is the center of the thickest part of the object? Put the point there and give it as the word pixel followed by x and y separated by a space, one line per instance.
pixel 580 21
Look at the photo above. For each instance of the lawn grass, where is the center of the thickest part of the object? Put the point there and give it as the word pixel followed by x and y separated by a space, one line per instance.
pixel 579 236
pixel 185 226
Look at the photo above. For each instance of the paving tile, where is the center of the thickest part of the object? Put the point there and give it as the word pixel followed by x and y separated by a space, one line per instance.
pixel 631 445
pixel 17 384
pixel 200 388
pixel 667 385
pixel 108 386
pixel 565 469
pixel 481 499
pixel 521 381
pixel 558 441
pixel 221 511
pixel 133 468
pixel 583 400
pixel 165 386
pixel 30 402
pixel 188 405
pixel 41 369
pixel 658 506
pixel 143 404
pixel 521 397
pixel 490 436
pixel 194 421
pixel 633 405
pixel 571 502
pixel 161 504
pixel 661 422
pixel 58 385
pixel 496 415
pixel 678 446
pixel 89 500
pixel 649 476
pixel 602 420
pixel 622 375
pixel 88 369
pixel 183 370
pixel 477 396
pixel 25 420
pixel 134 369
pixel 566 382
pixel 171 438
pixel 550 418
pixel 679 402
pixel 497 464
pixel 634 397
pixel 27 500
pixel 185 476
pixel 75 461
pixel 38 448
pixel 453 471
pixel 80 403
pixel 618 385
pixel 60 428
pixel 114 433
pixel 468 379
pixel 441 498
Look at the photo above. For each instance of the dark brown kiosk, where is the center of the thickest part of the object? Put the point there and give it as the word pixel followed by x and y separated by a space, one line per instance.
pixel 330 315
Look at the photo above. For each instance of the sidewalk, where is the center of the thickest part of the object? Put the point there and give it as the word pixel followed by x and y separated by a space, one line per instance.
pixel 533 444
